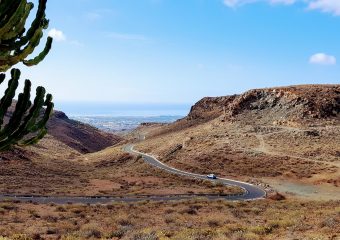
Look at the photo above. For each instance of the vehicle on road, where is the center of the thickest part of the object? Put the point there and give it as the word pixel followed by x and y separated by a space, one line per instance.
pixel 211 176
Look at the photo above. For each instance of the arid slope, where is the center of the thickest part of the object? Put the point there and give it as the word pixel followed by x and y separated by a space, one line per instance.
pixel 277 136
pixel 77 159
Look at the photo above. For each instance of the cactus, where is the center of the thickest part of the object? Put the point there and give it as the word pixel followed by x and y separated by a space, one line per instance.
pixel 16 44
pixel 27 123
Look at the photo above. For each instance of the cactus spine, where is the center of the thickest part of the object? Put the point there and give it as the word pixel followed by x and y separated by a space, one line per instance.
pixel 27 123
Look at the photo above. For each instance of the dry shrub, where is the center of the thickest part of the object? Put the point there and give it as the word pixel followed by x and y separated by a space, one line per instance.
pixel 9 206
pixel 261 230
pixel 214 223
pixel 330 222
pixel 145 236
pixel 60 209
pixel 118 233
pixel 16 237
pixel 70 237
pixel 190 210
pixel 91 230
pixel 125 222
pixel 169 219
pixel 169 210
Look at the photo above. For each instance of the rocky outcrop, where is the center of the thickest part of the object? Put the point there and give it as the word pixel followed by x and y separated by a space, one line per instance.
pixel 292 103
pixel 210 107
pixel 298 102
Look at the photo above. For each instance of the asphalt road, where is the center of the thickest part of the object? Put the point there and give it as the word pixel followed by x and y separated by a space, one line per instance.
pixel 251 192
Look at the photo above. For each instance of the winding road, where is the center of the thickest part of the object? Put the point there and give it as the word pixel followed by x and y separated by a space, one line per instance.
pixel 250 192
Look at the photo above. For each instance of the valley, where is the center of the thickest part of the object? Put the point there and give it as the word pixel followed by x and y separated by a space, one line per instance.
pixel 282 140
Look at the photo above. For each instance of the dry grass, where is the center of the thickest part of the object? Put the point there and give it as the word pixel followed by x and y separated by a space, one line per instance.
pixel 193 219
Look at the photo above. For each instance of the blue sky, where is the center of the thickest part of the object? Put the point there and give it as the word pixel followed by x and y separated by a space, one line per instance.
pixel 178 51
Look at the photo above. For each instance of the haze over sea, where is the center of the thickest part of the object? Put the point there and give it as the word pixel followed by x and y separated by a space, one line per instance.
pixel 114 117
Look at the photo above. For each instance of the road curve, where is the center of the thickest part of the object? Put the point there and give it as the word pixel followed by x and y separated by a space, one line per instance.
pixel 251 192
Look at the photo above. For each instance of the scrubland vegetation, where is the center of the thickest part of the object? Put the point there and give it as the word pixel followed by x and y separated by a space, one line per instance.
pixel 192 219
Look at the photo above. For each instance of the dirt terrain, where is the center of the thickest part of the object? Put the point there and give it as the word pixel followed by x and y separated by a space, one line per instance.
pixel 285 135
pixel 61 165
pixel 283 139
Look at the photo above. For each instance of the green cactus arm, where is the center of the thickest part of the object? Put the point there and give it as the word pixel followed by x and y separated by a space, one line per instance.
pixel 40 127
pixel 35 139
pixel 2 77
pixel 6 100
pixel 13 20
pixel 16 44
pixel 37 106
pixel 16 27
pixel 7 9
pixel 4 68
pixel 38 24
pixel 21 107
pixel 28 121
pixel 48 112
pixel 32 116
pixel 42 55
pixel 8 61
pixel 22 54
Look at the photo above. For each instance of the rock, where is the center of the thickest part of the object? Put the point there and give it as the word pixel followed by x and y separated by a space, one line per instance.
pixel 286 104
pixel 276 196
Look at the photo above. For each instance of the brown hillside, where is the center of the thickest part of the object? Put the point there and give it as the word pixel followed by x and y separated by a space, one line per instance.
pixel 285 136
pixel 290 106
pixel 79 136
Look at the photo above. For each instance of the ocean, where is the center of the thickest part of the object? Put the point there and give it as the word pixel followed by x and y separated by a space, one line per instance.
pixel 123 123
pixel 123 117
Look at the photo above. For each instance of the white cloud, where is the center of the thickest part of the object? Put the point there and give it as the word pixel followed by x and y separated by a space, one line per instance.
pixel 322 59
pixel 331 6
pixel 57 35
pixel 285 2
pixel 235 3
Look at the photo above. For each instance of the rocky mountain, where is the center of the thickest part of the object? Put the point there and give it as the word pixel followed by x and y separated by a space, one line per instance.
pixel 209 108
pixel 301 103
pixel 282 135
pixel 290 106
